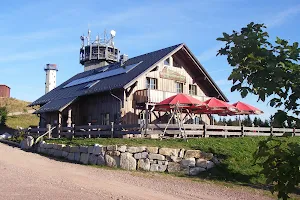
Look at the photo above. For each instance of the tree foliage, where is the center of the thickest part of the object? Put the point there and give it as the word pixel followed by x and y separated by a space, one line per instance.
pixel 270 71
pixel 264 69
pixel 3 115
pixel 280 160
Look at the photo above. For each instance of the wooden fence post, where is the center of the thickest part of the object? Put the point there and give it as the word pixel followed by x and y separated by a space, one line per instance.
pixel 112 129
pixel 49 130
pixel 294 132
pixel 226 131
pixel 73 131
pixel 271 130
pixel 205 131
pixel 38 130
pixel 147 118
pixel 242 131
pixel 89 131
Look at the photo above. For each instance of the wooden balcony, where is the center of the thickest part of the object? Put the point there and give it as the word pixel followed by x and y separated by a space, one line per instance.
pixel 156 96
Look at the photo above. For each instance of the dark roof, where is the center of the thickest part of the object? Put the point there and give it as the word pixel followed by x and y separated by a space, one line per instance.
pixel 56 105
pixel 105 84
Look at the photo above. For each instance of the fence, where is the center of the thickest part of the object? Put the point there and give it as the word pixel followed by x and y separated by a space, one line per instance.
pixel 89 130
pixel 157 130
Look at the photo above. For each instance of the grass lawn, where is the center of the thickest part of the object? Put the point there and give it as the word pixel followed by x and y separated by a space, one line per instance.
pixel 236 154
pixel 23 121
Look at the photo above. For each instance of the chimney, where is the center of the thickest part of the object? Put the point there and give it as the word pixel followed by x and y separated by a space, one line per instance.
pixel 123 58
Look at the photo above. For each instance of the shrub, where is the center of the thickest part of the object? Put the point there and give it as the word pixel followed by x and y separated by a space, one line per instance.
pixel 280 160
pixel 3 115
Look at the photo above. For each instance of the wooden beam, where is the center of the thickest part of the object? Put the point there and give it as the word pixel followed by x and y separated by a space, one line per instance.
pixel 129 90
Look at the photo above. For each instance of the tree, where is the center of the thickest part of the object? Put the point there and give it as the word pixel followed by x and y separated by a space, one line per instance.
pixel 235 122
pixel 247 121
pixel 280 160
pixel 266 123
pixel 224 121
pixel 255 121
pixel 269 71
pixel 264 69
pixel 3 115
pixel 229 122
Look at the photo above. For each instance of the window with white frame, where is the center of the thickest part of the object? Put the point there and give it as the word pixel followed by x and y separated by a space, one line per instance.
pixel 192 89
pixel 151 83
pixel 179 87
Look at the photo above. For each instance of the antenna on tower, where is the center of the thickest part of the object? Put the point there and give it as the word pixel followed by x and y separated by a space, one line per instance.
pixel 89 37
pixel 99 52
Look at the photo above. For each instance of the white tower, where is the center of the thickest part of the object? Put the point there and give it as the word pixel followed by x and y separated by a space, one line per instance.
pixel 50 83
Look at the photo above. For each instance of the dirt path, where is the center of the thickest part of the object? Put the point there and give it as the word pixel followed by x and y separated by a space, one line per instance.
pixel 31 176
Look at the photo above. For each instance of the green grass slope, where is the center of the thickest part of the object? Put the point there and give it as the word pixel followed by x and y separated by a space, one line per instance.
pixel 23 121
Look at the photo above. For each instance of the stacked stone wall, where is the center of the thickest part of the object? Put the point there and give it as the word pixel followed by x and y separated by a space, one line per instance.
pixel 172 160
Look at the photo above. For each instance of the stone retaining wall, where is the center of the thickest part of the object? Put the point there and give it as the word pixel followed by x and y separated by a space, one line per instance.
pixel 190 162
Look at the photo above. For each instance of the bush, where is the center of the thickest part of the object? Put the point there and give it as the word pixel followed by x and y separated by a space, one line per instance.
pixel 280 160
pixel 3 115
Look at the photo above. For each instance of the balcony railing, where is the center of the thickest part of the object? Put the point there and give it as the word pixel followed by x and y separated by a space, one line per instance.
pixel 156 96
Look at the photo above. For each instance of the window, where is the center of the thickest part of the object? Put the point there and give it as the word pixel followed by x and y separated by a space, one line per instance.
pixel 179 87
pixel 192 89
pixel 167 61
pixel 105 119
pixel 151 83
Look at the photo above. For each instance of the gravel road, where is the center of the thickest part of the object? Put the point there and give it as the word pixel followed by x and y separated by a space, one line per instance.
pixel 29 176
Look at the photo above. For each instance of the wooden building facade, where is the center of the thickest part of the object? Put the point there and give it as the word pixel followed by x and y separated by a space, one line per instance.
pixel 129 97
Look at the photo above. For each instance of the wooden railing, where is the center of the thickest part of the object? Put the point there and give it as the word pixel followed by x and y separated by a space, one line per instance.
pixel 89 131
pixel 157 130
pixel 197 130
pixel 156 96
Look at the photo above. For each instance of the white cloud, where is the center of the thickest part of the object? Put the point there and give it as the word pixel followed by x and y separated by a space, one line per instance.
pixel 282 16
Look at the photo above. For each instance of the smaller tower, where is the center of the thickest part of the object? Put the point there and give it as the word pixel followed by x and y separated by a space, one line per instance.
pixel 50 83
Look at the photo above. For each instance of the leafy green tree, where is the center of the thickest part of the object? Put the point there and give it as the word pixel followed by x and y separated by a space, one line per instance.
pixel 229 122
pixel 247 121
pixel 264 69
pixel 266 123
pixel 235 122
pixel 255 121
pixel 269 71
pixel 224 121
pixel 280 160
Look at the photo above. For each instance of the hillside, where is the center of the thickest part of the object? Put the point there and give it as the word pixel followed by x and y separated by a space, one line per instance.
pixel 14 105
pixel 21 114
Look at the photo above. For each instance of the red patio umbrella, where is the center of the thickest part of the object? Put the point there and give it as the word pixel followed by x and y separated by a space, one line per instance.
pixel 246 109
pixel 180 100
pixel 216 106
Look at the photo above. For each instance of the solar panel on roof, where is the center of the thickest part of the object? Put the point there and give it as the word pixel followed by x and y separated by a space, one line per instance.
pixel 102 75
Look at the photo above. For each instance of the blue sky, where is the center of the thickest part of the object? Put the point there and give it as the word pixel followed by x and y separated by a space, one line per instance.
pixel 34 33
